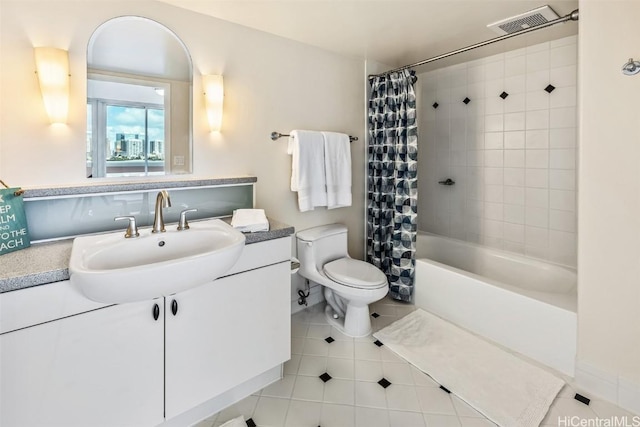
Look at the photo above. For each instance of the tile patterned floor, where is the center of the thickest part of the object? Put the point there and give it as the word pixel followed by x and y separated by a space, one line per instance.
pixel 340 382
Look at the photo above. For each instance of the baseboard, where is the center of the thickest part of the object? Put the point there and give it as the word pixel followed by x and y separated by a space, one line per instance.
pixel 597 382
pixel 629 395
pixel 615 389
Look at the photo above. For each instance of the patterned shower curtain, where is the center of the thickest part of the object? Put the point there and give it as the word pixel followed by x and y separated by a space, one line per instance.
pixel 392 180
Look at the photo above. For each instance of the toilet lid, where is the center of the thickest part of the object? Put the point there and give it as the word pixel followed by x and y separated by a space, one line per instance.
pixel 355 273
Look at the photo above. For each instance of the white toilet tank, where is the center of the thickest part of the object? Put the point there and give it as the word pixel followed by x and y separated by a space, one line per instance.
pixel 320 245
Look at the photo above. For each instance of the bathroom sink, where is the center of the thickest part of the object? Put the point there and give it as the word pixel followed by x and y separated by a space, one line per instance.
pixel 111 269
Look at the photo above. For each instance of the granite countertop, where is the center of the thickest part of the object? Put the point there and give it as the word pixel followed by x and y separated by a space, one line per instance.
pixel 44 263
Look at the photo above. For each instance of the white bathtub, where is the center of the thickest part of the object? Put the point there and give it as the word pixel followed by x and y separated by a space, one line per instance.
pixel 526 305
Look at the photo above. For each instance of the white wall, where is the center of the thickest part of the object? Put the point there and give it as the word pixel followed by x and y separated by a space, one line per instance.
pixel 271 84
pixel 609 203
pixel 513 160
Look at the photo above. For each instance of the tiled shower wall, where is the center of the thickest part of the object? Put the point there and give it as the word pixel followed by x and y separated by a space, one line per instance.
pixel 511 149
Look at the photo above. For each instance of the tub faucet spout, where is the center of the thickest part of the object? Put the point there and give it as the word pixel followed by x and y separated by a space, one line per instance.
pixel 162 201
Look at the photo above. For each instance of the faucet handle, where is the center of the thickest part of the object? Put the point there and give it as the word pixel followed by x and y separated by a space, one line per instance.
pixel 132 229
pixel 183 224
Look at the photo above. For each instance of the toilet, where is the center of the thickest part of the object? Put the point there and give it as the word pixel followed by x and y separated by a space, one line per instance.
pixel 350 285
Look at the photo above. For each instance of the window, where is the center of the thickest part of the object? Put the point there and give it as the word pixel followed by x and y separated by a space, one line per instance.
pixel 127 138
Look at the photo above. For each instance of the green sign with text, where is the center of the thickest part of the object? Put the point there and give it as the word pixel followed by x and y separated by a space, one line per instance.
pixel 14 234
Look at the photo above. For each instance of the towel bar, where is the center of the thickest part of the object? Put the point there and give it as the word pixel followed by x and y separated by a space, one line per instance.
pixel 277 135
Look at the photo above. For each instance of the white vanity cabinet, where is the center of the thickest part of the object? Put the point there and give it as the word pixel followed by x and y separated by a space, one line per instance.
pixel 239 326
pixel 67 361
pixel 99 368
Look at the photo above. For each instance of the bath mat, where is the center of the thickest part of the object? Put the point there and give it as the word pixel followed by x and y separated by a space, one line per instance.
pixel 236 422
pixel 504 388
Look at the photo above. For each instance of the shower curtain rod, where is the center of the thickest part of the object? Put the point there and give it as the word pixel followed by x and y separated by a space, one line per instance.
pixel 573 16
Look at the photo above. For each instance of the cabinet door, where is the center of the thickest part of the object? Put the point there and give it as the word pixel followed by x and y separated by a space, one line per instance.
pixel 100 368
pixel 225 333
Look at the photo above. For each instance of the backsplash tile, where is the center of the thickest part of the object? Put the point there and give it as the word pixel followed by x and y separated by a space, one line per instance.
pixel 57 217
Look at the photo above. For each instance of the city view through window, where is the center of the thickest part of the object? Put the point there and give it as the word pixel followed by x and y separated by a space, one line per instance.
pixel 134 133
pixel 125 140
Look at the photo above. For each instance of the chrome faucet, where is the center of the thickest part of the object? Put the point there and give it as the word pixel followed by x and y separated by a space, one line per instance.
pixel 162 201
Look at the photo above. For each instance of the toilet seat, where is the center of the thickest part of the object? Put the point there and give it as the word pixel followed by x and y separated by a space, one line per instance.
pixel 355 273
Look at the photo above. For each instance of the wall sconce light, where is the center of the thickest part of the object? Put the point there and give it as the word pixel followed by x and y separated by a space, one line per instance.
pixel 214 93
pixel 52 66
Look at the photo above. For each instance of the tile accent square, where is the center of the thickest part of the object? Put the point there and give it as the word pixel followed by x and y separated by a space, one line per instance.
pixel 329 340
pixel 435 105
pixel 378 343
pixel 466 100
pixel 582 399
pixel 251 423
pixel 549 88
pixel 384 383
pixel 325 377
pixel 504 95
pixel 375 315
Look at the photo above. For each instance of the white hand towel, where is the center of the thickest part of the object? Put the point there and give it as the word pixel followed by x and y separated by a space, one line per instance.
pixel 307 168
pixel 250 220
pixel 337 160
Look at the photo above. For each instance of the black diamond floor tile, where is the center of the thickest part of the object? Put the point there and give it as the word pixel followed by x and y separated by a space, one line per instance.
pixel 325 377
pixel 466 100
pixel 250 423
pixel 550 88
pixel 329 340
pixel 582 399
pixel 435 105
pixel 378 343
pixel 504 95
pixel 375 315
pixel 384 383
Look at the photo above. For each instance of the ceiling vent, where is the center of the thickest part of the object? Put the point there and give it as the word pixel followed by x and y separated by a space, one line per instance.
pixel 525 20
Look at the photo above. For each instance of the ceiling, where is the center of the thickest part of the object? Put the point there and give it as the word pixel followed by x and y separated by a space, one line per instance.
pixel 392 32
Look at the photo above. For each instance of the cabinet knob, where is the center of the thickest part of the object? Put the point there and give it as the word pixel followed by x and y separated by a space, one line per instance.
pixel 156 311
pixel 174 307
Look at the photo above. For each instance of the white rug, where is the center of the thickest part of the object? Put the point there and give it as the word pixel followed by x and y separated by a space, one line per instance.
pixel 236 422
pixel 504 388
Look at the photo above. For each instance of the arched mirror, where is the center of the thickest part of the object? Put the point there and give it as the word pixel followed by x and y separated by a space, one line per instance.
pixel 139 78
